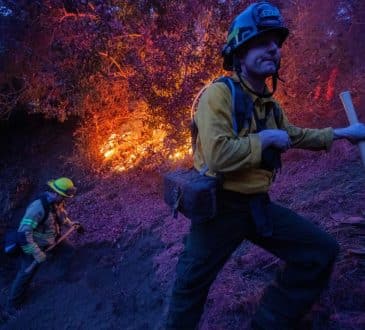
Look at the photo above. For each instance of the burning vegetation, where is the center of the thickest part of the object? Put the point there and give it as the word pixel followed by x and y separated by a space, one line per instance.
pixel 129 70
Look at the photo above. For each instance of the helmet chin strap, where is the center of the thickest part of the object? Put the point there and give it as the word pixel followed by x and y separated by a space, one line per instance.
pixel 275 77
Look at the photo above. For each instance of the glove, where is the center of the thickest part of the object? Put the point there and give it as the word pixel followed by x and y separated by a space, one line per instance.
pixel 79 228
pixel 40 256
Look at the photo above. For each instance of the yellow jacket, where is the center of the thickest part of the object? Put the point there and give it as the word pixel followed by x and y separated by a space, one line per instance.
pixel 39 234
pixel 239 158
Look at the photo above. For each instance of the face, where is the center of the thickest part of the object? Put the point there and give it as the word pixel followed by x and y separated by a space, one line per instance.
pixel 262 56
pixel 55 198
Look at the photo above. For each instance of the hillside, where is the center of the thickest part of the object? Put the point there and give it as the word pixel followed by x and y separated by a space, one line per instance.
pixel 123 268
pixel 102 91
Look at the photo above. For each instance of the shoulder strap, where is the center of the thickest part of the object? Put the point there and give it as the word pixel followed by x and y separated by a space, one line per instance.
pixel 242 105
pixel 261 123
pixel 242 110
pixel 193 126
pixel 46 207
pixel 277 115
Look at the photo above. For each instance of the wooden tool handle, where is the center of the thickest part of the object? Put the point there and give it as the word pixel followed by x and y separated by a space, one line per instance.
pixel 352 117
pixel 50 248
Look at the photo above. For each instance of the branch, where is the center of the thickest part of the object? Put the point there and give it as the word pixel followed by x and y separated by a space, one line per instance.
pixel 78 15
pixel 121 73
pixel 8 101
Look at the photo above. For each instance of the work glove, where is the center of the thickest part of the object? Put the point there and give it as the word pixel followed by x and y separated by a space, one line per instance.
pixel 276 138
pixel 79 228
pixel 39 256
pixel 356 132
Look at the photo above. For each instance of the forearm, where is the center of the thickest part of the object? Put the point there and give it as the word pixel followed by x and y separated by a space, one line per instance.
pixel 68 222
pixel 307 138
pixel 311 139
pixel 227 154
pixel 28 245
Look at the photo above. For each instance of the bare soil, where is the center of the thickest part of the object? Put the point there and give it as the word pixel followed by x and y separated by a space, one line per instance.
pixel 123 267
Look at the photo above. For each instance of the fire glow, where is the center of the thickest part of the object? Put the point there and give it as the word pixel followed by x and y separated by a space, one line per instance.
pixel 329 91
pixel 128 149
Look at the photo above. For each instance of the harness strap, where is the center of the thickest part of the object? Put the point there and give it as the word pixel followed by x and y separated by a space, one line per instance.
pixel 242 106
pixel 46 207
pixel 242 114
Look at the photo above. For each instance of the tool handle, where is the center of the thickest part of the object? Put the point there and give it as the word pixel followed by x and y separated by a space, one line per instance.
pixel 62 238
pixel 31 267
pixel 352 117
pixel 51 247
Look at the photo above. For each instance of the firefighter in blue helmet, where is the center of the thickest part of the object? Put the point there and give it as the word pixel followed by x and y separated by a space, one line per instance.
pixel 248 161
pixel 38 229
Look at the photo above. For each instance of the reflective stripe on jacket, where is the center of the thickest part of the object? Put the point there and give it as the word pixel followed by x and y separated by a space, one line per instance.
pixel 37 233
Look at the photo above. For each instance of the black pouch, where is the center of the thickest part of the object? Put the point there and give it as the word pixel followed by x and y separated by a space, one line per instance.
pixel 192 193
pixel 11 246
pixel 271 159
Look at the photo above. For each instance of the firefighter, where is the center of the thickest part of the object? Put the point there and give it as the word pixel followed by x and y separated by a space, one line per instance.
pixel 38 229
pixel 248 163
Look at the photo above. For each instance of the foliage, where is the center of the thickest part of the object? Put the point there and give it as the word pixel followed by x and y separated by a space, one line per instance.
pixel 111 62
pixel 322 58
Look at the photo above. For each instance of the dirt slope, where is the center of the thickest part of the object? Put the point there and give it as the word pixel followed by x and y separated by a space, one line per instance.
pixel 122 269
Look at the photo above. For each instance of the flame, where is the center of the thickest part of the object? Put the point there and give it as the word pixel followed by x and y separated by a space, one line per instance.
pixel 180 153
pixel 330 90
pixel 317 92
pixel 126 149
pixel 109 153
pixel 331 84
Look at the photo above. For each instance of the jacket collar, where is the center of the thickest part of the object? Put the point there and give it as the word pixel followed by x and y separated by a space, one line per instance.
pixel 253 96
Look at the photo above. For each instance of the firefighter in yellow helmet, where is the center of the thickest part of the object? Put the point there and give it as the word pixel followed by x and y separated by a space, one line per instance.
pixel 38 229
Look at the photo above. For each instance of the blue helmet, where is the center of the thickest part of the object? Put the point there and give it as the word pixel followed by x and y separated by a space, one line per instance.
pixel 255 20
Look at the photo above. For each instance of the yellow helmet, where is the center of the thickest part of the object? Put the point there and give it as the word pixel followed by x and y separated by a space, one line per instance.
pixel 63 186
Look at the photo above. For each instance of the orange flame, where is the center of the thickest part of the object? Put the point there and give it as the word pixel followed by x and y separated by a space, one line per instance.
pixel 127 149
pixel 330 90
pixel 317 92
pixel 331 84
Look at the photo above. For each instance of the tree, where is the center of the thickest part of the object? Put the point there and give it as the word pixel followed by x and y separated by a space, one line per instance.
pixel 133 68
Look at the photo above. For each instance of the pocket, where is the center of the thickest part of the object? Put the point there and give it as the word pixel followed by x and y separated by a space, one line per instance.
pixel 192 194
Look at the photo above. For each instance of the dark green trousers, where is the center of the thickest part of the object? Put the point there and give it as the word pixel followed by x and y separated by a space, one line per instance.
pixel 308 251
pixel 22 281
pixel 63 252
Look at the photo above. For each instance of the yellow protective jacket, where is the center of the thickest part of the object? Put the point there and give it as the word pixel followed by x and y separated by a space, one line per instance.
pixel 37 234
pixel 239 158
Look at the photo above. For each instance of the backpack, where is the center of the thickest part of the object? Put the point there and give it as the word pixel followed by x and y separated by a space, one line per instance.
pixel 13 239
pixel 193 193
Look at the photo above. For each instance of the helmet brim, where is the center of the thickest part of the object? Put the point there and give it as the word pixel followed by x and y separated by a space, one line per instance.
pixel 70 192
pixel 282 32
